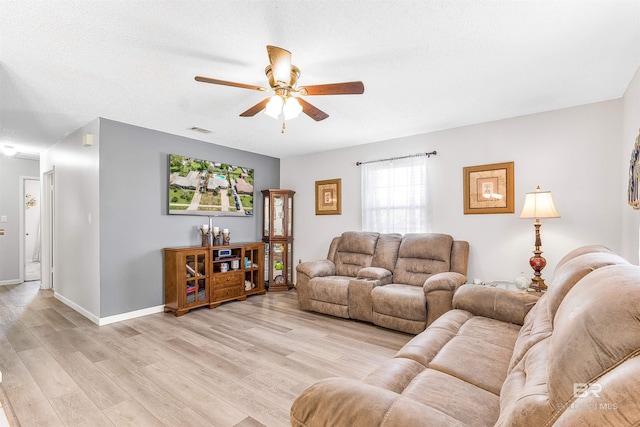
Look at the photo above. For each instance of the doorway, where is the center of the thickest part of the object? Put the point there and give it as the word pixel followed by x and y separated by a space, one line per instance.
pixel 31 228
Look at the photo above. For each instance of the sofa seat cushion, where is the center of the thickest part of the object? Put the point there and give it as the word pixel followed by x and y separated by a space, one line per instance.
pixel 328 295
pixel 394 374
pixel 331 289
pixel 454 397
pixel 400 307
pixel 347 402
pixel 491 331
pixel 472 348
pixel 476 360
pixel 398 300
pixel 409 372
pixel 423 347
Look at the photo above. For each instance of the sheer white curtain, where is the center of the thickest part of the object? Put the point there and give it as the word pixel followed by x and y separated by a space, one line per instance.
pixel 395 197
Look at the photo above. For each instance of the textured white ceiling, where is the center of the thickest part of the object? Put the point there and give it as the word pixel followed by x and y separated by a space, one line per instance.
pixel 426 65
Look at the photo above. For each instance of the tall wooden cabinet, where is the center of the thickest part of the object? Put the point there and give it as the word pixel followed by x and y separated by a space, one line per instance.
pixel 278 238
pixel 208 276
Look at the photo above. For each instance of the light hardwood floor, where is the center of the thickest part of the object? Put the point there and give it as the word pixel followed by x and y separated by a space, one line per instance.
pixel 241 364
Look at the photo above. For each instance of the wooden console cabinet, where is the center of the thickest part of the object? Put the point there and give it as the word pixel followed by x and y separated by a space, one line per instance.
pixel 208 276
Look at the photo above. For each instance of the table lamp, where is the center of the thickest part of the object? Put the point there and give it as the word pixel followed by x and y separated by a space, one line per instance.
pixel 538 204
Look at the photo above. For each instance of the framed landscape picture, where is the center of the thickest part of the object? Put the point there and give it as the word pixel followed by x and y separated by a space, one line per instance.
pixel 488 189
pixel 208 188
pixel 328 197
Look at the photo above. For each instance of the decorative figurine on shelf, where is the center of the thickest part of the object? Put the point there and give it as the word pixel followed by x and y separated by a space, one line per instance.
pixel 521 282
pixel 226 237
pixel 205 234
pixel 217 238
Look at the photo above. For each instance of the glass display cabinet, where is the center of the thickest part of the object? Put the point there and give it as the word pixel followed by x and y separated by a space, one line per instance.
pixel 186 279
pixel 278 238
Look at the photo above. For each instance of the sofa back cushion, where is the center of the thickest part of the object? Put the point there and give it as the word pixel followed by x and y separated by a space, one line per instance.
pixel 460 257
pixel 354 251
pixel 386 253
pixel 581 251
pixel 333 247
pixel 422 255
pixel 596 340
pixel 570 271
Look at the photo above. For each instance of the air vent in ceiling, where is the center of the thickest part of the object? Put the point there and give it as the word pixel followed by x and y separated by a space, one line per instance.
pixel 27 156
pixel 201 130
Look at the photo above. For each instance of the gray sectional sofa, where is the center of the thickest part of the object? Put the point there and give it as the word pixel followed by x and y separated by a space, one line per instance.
pixel 397 282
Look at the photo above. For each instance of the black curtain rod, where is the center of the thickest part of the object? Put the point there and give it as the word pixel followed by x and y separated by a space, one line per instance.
pixel 432 153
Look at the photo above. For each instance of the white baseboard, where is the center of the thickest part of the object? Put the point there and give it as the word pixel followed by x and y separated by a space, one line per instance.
pixel 10 282
pixel 95 319
pixel 101 321
pixel 131 315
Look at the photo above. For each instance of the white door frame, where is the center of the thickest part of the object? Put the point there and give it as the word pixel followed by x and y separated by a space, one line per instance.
pixel 23 178
pixel 47 211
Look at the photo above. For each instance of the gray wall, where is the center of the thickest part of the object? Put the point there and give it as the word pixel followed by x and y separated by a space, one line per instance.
pixel 134 223
pixel 11 169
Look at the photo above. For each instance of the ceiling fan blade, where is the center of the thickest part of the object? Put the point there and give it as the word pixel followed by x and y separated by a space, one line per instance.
pixel 311 111
pixel 280 60
pixel 256 108
pixel 348 88
pixel 226 83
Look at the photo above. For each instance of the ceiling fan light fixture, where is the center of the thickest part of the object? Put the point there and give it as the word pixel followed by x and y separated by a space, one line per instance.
pixel 292 108
pixel 9 150
pixel 274 106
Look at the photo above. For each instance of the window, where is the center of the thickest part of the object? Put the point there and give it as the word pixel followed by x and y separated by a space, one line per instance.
pixel 395 196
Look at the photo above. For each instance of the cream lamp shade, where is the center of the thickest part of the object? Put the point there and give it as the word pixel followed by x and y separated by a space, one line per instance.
pixel 539 204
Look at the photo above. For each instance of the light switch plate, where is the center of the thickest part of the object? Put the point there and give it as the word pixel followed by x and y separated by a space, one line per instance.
pixel 3 218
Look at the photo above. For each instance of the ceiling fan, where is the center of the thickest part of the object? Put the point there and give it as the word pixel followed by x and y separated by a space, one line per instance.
pixel 287 98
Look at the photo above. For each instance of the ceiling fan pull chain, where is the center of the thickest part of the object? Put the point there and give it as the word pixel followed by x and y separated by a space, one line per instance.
pixel 283 126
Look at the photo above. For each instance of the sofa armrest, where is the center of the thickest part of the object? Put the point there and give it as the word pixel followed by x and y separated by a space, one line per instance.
pixel 500 304
pixel 311 269
pixel 449 281
pixel 347 402
pixel 375 273
pixel 306 271
pixel 438 291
